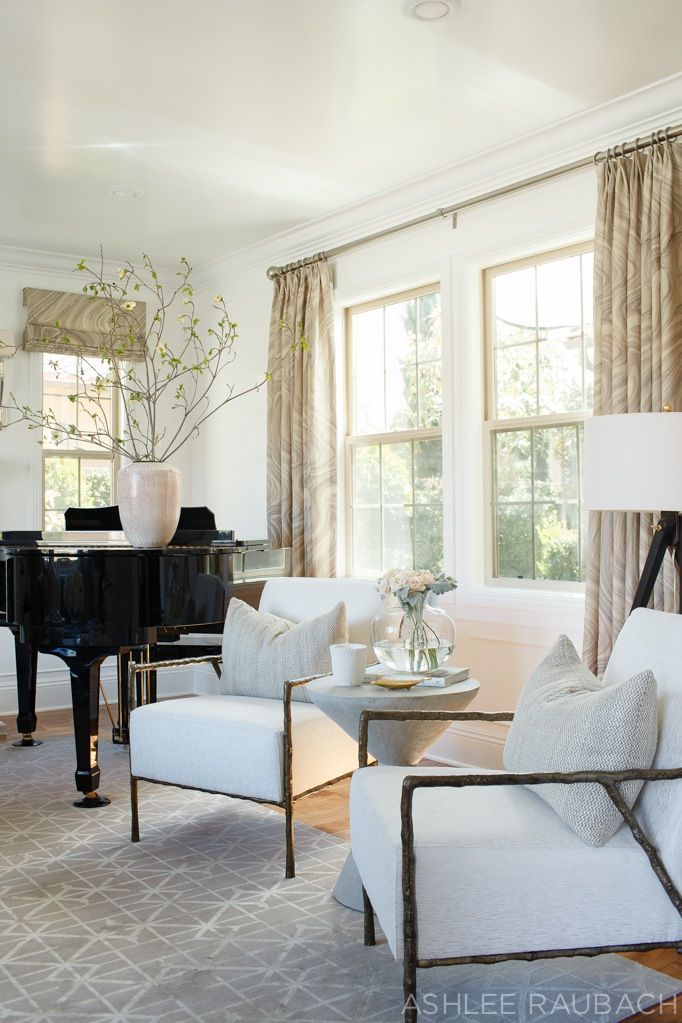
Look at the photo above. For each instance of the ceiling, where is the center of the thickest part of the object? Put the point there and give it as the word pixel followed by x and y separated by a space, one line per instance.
pixel 243 118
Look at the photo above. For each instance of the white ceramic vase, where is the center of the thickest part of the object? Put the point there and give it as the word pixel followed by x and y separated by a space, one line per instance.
pixel 149 500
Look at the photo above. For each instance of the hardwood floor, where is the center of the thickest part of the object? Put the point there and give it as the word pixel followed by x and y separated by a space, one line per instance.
pixel 328 811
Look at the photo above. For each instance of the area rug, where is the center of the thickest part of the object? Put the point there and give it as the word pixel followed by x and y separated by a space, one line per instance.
pixel 196 923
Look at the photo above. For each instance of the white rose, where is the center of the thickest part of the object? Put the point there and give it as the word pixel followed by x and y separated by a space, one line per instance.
pixel 399 580
pixel 416 583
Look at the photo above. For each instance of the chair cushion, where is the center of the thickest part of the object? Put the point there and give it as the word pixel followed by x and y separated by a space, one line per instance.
pixel 261 651
pixel 498 871
pixel 235 745
pixel 567 720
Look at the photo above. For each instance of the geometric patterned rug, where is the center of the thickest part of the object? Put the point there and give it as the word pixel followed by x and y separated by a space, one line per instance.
pixel 196 922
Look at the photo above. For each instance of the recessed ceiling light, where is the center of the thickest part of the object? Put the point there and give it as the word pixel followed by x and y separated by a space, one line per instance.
pixel 429 10
pixel 126 192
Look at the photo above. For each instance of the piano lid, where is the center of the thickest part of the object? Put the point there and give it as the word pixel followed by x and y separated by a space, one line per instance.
pixel 116 540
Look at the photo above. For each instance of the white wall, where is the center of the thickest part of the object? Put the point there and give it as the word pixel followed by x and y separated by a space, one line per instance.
pixel 20 468
pixel 502 633
pixel 229 456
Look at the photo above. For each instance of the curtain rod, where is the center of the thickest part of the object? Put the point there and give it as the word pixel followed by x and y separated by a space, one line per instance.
pixel 625 149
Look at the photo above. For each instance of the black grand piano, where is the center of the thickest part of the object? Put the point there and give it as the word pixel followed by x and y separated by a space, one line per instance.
pixel 90 595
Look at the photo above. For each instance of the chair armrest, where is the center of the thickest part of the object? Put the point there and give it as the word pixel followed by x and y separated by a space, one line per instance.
pixel 420 715
pixel 606 779
pixel 142 667
pixel 293 683
pixel 289 686
pixel 609 780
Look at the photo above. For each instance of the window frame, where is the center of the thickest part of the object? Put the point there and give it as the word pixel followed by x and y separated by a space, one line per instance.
pixel 353 440
pixel 62 451
pixel 493 426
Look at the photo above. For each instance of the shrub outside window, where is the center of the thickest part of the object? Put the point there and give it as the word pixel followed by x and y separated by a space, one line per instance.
pixel 394 443
pixel 540 371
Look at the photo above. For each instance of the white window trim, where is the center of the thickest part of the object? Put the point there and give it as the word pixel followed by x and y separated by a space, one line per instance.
pixel 495 425
pixel 60 451
pixel 465 501
pixel 352 440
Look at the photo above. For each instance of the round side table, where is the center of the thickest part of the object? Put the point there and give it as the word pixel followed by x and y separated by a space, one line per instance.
pixel 394 743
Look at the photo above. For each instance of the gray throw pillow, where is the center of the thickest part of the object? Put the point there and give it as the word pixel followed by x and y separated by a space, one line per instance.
pixel 261 652
pixel 567 720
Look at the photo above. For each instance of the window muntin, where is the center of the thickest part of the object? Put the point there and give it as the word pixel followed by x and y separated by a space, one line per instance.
pixel 394 447
pixel 540 389
pixel 76 473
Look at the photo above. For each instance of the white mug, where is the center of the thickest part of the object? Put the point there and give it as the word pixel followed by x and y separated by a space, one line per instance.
pixel 349 663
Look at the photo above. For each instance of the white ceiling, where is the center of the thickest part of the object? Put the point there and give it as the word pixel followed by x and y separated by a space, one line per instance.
pixel 242 118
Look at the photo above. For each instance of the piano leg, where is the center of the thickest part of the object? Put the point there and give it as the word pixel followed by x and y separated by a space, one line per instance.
pixel 119 733
pixel 85 696
pixel 27 669
pixel 146 694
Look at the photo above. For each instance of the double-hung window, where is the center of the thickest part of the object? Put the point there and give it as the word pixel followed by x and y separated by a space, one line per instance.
pixel 76 473
pixel 540 362
pixel 394 449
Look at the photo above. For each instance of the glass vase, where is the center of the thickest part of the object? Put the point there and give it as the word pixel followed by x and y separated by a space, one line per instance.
pixel 415 639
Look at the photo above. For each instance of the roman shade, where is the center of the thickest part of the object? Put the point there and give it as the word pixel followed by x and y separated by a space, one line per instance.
pixel 85 321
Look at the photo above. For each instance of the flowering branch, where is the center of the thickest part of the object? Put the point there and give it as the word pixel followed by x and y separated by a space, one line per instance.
pixel 146 367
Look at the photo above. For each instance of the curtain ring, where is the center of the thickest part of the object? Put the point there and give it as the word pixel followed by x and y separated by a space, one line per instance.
pixel 668 136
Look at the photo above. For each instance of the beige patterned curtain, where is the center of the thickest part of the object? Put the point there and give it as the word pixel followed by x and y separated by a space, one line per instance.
pixel 638 362
pixel 301 484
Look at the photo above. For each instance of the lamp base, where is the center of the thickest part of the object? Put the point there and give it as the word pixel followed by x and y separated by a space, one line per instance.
pixel 667 537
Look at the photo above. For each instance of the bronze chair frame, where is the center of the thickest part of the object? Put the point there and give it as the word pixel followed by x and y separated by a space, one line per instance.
pixel 610 782
pixel 289 797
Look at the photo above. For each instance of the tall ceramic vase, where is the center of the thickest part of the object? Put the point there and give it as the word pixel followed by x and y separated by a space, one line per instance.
pixel 149 500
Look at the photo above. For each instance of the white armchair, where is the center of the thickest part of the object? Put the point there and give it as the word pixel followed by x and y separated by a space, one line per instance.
pixel 267 750
pixel 462 867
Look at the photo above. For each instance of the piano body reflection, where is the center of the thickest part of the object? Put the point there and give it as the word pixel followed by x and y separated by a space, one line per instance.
pixel 87 596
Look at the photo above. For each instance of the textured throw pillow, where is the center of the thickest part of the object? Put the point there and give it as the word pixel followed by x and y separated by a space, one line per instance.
pixel 567 720
pixel 261 652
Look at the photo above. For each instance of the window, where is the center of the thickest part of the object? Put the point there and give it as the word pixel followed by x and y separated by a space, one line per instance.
pixel 394 452
pixel 540 362
pixel 75 473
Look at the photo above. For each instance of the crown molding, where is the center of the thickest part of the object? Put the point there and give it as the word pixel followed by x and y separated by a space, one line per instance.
pixel 573 138
pixel 58 264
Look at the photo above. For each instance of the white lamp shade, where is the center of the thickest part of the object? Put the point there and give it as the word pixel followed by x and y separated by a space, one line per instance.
pixel 632 462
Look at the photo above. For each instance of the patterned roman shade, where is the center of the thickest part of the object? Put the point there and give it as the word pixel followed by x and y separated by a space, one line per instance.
pixel 85 321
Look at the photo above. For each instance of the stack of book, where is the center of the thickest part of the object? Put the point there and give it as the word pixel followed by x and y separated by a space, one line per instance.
pixel 439 678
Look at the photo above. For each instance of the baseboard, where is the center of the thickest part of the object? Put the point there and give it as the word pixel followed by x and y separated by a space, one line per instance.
pixel 471 745
pixel 54 688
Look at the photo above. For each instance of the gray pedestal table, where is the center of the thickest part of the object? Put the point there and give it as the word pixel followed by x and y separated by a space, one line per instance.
pixel 396 743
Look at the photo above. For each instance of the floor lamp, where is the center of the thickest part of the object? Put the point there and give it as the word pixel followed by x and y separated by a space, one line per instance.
pixel 629 465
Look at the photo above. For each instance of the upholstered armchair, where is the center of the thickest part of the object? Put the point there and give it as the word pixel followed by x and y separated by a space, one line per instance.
pixel 463 867
pixel 268 750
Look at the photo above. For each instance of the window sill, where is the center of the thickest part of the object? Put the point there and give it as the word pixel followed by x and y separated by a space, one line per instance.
pixel 554 609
